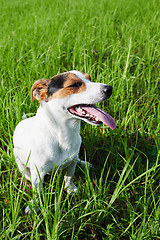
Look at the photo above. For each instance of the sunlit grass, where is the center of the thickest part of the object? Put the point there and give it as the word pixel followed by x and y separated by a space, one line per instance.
pixel 116 42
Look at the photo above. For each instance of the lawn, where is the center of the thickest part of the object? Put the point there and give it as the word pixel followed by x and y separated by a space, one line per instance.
pixel 117 43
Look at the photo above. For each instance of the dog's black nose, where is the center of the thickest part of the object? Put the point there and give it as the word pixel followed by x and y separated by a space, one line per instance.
pixel 107 90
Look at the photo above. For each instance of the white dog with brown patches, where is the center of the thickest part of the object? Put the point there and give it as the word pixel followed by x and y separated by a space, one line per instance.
pixel 52 137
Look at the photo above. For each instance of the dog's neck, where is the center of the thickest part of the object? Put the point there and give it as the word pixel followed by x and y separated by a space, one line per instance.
pixel 61 124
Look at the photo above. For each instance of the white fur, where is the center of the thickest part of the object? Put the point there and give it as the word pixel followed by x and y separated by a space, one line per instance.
pixel 52 137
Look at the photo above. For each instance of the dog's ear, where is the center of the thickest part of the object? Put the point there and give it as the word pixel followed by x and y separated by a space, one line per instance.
pixel 39 90
pixel 87 76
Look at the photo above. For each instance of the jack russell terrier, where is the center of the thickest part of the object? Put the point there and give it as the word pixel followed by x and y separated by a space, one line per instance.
pixel 52 137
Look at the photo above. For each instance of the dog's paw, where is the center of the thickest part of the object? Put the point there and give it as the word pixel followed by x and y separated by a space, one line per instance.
pixel 90 165
pixel 28 210
pixel 84 163
pixel 72 189
pixel 31 208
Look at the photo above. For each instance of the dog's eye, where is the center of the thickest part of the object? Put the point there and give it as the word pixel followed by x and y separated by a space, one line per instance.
pixel 76 84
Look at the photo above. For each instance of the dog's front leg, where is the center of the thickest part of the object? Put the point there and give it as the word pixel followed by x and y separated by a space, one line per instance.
pixel 37 180
pixel 68 178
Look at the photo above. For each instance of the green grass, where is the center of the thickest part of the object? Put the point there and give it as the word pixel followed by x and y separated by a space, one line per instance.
pixel 116 42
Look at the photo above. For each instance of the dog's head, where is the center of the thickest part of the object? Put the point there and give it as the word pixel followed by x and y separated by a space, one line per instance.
pixel 75 93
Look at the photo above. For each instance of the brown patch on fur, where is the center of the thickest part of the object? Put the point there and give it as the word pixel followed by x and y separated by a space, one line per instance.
pixel 39 90
pixel 86 75
pixel 69 88
pixel 67 85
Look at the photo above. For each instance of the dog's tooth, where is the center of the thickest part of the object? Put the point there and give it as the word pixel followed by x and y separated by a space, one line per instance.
pixel 79 110
pixel 87 115
pixel 82 111
pixel 97 119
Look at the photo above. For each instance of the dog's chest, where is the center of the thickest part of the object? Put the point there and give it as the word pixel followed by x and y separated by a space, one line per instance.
pixel 69 143
pixel 62 147
pixel 59 137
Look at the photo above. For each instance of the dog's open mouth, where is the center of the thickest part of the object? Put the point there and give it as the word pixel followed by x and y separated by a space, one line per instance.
pixel 92 114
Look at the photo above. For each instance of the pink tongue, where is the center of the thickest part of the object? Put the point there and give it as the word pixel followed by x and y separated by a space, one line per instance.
pixel 103 116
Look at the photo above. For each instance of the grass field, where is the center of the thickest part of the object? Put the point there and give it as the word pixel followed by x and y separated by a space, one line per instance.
pixel 118 43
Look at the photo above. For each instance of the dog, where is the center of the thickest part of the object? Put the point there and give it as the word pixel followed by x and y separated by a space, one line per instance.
pixel 52 137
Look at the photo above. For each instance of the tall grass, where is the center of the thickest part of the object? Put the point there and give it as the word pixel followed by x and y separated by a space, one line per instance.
pixel 116 42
